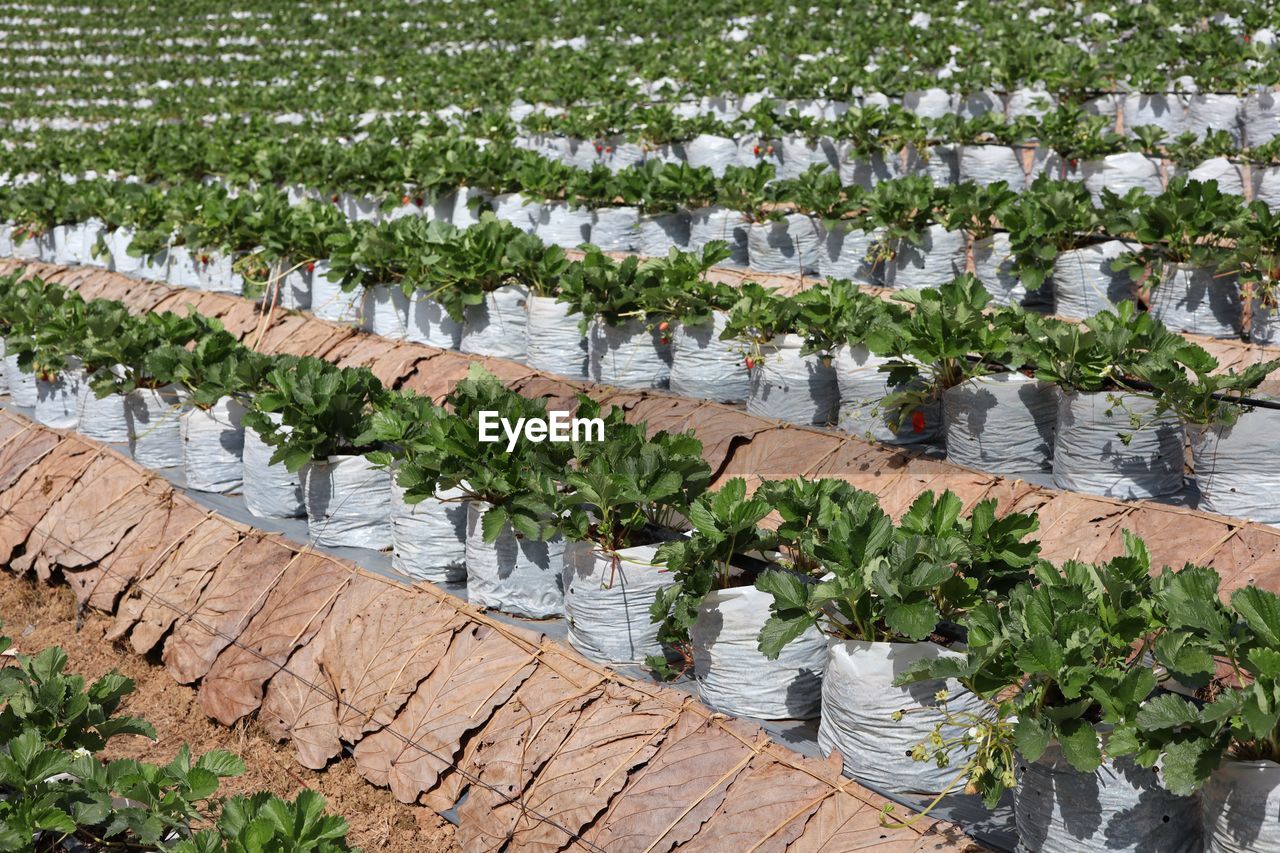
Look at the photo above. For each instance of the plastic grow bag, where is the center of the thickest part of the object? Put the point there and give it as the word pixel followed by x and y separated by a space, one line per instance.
pixel 1167 111
pixel 559 224
pixel 513 574
pixel 941 163
pixel 516 209
pixel 845 253
pixel 1240 807
pixel 866 170
pixel 1230 176
pixel 1029 102
pixel 715 222
pixel 270 491
pixel 789 245
pixel 360 208
pixel 615 229
pixel 628 356
pixel 217 274
pixel 1089 455
pixel 102 419
pixel 383 314
pixel 1260 117
pixel 429 538
pixel 497 326
pixel 658 234
pixel 1001 424
pixel 930 103
pixel 213 446
pixel 734 677
pixel 57 402
pixel 1264 324
pixel 786 385
pixel 753 150
pixel 555 343
pixel 62 238
pixel 348 502
pixel 607 602
pixel 1211 111
pixel 1198 300
pixel 993 266
pixel 22 385
pixel 859 701
pixel 940 257
pixel 1084 283
pixel 1266 185
pixel 862 387
pixel 330 302
pixel 155 430
pixel 798 154
pixel 1118 807
pixel 1234 465
pixel 712 152
pixel 986 164
pixel 90 232
pixel 466 207
pixel 704 366
pixel 180 268
pixel 118 257
pixel 1121 173
pixel 427 322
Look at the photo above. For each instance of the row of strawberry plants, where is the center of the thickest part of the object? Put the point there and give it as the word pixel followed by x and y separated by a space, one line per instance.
pixel 436 56
pixel 1193 248
pixel 57 791
pixel 836 612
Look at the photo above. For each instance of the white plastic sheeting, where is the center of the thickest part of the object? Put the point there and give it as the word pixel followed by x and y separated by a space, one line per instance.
pixel 1118 807
pixel 866 170
pixel 797 388
pixel 713 152
pixel 734 677
pixel 513 574
pixel 630 355
pixel 22 385
pixel 348 502
pixel 1167 111
pixel 1121 173
pixel 270 491
pixel 993 266
pixel 1089 455
pixel 986 164
pixel 497 326
pixel 516 209
pixel 1198 300
pixel 1234 465
pixel 1240 807
pixel 941 256
pixel 426 321
pixel 607 601
pixel 1230 176
pixel 429 538
pixel 559 224
pixel 862 387
pixel 846 251
pixel 705 367
pixel 1084 283
pixel 1212 111
pixel 330 302
pixel 715 222
pixel 383 315
pixel 102 419
pixel 1001 424
pixel 657 234
pixel 790 245
pixel 213 446
pixel 615 229
pixel 1260 117
pixel 57 401
pixel 859 701
pixel 155 427
pixel 555 343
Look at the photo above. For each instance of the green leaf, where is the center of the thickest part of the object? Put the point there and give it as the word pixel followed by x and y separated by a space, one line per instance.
pixel 1167 711
pixel 1080 745
pixel 1031 735
pixel 914 620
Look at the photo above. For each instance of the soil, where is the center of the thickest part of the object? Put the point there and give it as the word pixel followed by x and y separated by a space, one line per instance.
pixel 37 616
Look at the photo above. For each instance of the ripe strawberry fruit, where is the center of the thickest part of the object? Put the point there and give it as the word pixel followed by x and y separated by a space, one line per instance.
pixel 311 267
pixel 750 362
pixel 663 326
pixel 917 421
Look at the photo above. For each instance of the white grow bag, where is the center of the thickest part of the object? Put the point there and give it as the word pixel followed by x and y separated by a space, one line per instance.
pixel 1212 111
pixel 516 209
pixel 713 152
pixel 862 387
pixel 715 222
pixel 1167 111
pixel 986 164
pixel 348 502
pixel 513 574
pixel 57 402
pixel 734 677
pixel 554 342
pixel 1118 807
pixel 705 367
pixel 1001 424
pixel 846 253
pixel 790 245
pixel 384 315
pixel 558 224
pixel 429 538
pixel 941 256
pixel 1084 283
pixel 155 426
pixel 791 387
pixel 270 491
pixel 1240 807
pixel 1261 118
pixel 497 326
pixel 859 700
pixel 330 302
pixel 993 266
pixel 213 446
pixel 1266 185
pixel 102 419
pixel 1229 175
pixel 658 234
pixel 1089 456
pixel 22 385
pixel 607 603
pixel 426 321
pixel 1235 468
pixel 1198 300
pixel 615 229
pixel 628 356
pixel 866 170
pixel 1121 173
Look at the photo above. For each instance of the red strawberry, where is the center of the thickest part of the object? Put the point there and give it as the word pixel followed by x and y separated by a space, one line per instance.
pixel 608 149
pixel 750 362
pixel 1248 39
pixel 404 199
pixel 599 148
pixel 335 198
pixel 770 149
pixel 917 421
pixel 663 326
pixel 311 267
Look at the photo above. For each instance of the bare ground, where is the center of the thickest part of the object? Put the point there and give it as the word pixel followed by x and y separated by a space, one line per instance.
pixel 37 616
